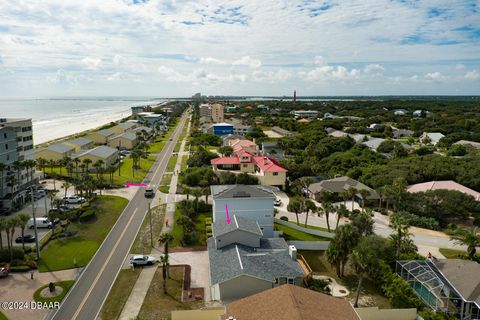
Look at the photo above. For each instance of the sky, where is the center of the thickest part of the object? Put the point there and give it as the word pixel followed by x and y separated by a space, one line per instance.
pixel 239 47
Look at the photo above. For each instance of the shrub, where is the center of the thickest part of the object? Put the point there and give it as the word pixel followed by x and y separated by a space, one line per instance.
pixel 18 254
pixel 417 221
pixel 87 215
pixel 284 218
pixel 22 268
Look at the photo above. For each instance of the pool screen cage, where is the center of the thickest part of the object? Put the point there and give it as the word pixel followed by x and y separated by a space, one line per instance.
pixel 433 288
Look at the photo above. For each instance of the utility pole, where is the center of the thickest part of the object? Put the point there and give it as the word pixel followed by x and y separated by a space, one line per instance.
pixel 119 160
pixel 151 229
pixel 35 225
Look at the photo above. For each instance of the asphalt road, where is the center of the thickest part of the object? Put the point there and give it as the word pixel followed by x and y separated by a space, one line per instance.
pixel 85 299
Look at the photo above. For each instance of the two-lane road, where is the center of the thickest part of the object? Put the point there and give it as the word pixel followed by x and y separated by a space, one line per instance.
pixel 85 299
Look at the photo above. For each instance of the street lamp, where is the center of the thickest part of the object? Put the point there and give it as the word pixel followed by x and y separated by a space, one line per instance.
pixel 35 224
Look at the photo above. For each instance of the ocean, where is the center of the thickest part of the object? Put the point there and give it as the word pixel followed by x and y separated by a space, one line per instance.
pixel 55 118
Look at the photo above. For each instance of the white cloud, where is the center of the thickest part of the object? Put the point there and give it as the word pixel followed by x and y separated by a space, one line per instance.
pixel 330 72
pixel 115 77
pixel 459 66
pixel 118 60
pixel 91 63
pixel 247 61
pixel 374 68
pixel 472 75
pixel 210 60
pixel 434 76
pixel 319 60
pixel 272 76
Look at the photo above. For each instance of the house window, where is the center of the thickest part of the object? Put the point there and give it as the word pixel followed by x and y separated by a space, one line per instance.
pixel 244 165
pixel 275 173
pixel 276 280
pixel 6 146
pixel 291 281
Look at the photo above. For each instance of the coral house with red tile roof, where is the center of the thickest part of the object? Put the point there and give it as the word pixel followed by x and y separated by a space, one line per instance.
pixel 246 159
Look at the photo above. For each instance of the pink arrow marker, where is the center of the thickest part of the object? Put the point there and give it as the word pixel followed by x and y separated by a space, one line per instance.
pixel 227 219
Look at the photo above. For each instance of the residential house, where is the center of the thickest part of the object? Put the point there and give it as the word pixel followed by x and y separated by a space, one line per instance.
pixel 473 144
pixel 289 302
pixel 400 112
pixel 148 131
pixel 374 313
pixel 419 113
pixel 402 133
pixel 243 145
pixel 304 114
pixel 337 133
pixel 443 185
pixel 226 138
pixel 432 137
pixel 282 132
pixel 101 136
pixel 108 155
pixel 247 263
pixel 341 184
pixel 127 140
pixel 373 143
pixel 447 285
pixel 252 202
pixel 152 119
pixel 80 143
pixel 55 152
pixel 123 127
pixel 221 128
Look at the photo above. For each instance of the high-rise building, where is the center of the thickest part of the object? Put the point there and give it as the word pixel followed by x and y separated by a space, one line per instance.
pixel 16 141
pixel 294 96
pixel 217 113
pixel 205 110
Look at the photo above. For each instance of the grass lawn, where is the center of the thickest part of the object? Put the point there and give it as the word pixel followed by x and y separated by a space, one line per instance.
pixel 177 146
pixel 318 228
pixel 118 296
pixel 2 316
pixel 171 163
pixel 142 243
pixel 292 234
pixel 165 183
pixel 199 227
pixel 59 254
pixel 319 264
pixel 184 163
pixel 453 253
pixel 66 285
pixel 157 146
pixel 157 304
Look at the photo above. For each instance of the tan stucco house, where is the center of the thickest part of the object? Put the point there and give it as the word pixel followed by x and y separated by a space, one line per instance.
pixel 123 127
pixel 127 140
pixel 55 152
pixel 107 154
pixel 101 136
pixel 80 143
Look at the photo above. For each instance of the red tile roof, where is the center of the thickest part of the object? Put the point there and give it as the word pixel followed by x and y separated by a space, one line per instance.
pixel 225 160
pixel 268 164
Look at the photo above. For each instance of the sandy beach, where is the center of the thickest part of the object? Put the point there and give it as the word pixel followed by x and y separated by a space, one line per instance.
pixel 55 129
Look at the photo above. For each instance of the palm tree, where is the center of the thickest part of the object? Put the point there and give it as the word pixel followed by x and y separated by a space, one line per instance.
pixel 346 237
pixel 165 264
pixel 309 206
pixel 345 195
pixel 398 191
pixel 12 223
pixel 11 180
pixel 53 175
pixel 341 211
pixel 364 194
pixel 77 161
pixel 364 258
pixel 400 225
pixel 296 205
pixel 166 238
pixel 83 166
pixel 468 237
pixel 206 193
pixel 69 168
pixel 98 165
pixel 187 225
pixel 42 163
pixel 18 166
pixel 23 219
pixel 51 164
pixel 197 193
pixel 352 192
pixel 327 209
pixel 187 191
pixel 87 162
pixel 65 186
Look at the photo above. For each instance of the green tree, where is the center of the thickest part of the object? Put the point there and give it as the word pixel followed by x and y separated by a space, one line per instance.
pixel 341 246
pixel 468 237
pixel 341 212
pixel 226 151
pixel 400 225
pixel 165 239
pixel 23 219
pixel 165 264
pixel 296 205
pixel 364 258
pixel 309 206
pixel 363 221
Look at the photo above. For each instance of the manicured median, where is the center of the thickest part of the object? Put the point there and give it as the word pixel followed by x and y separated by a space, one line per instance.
pixel 76 251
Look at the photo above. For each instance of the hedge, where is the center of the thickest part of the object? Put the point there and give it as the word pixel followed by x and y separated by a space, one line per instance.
pixel 87 216
pixel 21 268
pixel 18 254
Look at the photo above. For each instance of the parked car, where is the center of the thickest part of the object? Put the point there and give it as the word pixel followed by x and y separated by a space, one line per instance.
pixel 141 260
pixel 27 238
pixel 5 212
pixel 4 270
pixel 41 223
pixel 75 199
pixel 170 139
pixel 277 202
pixel 124 153
pixel 62 208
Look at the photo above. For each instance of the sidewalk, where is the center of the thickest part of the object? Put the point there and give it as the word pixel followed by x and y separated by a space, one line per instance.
pixel 135 299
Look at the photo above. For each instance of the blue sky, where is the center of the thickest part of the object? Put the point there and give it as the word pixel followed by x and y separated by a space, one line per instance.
pixel 248 47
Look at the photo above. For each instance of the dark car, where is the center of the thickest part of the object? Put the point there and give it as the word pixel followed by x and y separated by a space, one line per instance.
pixel 5 212
pixel 27 238
pixel 4 270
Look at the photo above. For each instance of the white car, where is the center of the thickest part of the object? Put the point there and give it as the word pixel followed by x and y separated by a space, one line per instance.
pixel 74 199
pixel 141 260
pixel 277 202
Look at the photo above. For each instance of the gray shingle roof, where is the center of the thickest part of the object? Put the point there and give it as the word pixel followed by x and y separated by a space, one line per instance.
pixel 237 223
pixel 373 143
pixel 341 184
pixel 240 191
pixel 105 132
pixel 60 148
pixel 463 275
pixel 126 125
pixel 103 152
pixel 127 135
pixel 80 141
pixel 268 262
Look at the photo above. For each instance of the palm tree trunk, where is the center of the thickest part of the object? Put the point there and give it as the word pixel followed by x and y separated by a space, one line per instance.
pixel 338 221
pixel 360 279
pixel 327 215
pixel 306 219
pixel 353 202
pixel 298 222
pixel 23 238
pixel 164 275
